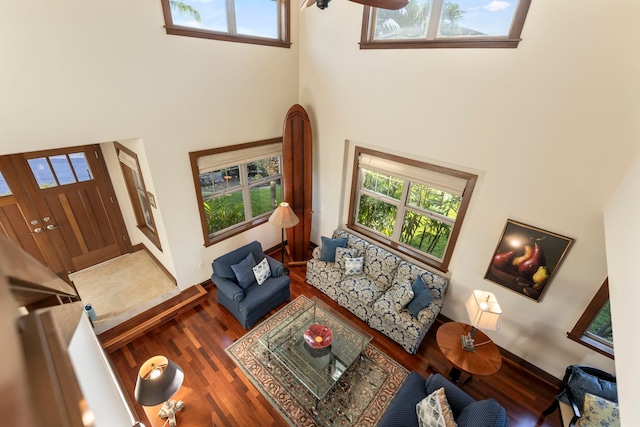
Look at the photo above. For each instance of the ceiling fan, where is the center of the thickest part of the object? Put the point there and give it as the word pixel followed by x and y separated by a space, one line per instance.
pixel 382 4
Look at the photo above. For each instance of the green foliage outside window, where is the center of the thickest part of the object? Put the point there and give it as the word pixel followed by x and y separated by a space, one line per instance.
pixel 601 325
pixel 423 225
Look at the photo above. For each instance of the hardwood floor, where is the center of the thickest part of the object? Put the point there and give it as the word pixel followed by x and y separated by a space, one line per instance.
pixel 196 340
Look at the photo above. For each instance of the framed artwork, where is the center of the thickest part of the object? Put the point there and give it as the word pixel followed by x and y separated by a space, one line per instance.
pixel 152 200
pixel 526 259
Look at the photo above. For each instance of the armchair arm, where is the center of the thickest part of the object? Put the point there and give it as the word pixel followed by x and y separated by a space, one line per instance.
pixel 229 289
pixel 277 268
pixel 316 252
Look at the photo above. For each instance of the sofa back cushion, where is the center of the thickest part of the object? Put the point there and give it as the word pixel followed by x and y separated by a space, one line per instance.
pixel 380 265
pixel 352 241
pixel 222 265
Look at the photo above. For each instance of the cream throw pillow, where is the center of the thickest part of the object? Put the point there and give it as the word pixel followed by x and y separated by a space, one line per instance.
pixel 434 411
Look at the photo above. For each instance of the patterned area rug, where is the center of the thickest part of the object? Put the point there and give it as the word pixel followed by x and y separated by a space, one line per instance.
pixel 359 398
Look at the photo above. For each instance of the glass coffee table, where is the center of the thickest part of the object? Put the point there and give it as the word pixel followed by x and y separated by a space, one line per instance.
pixel 318 369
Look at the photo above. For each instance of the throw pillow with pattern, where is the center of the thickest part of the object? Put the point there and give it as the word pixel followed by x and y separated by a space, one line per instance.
pixel 353 266
pixel 262 271
pixel 434 411
pixel 402 295
pixel 342 253
pixel 599 412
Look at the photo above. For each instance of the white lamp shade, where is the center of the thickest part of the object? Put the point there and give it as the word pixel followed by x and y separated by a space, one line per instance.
pixel 158 379
pixel 283 216
pixel 483 310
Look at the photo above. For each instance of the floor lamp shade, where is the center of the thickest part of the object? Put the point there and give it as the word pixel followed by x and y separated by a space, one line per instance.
pixel 283 216
pixel 158 380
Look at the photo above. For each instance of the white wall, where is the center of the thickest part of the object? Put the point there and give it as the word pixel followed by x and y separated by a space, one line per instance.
pixel 83 72
pixel 551 126
pixel 623 232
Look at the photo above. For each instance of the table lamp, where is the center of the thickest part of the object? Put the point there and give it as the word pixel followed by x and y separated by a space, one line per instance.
pixel 283 217
pixel 484 313
pixel 158 380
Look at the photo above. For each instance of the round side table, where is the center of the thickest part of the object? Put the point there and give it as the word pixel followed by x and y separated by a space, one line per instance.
pixel 196 412
pixel 486 360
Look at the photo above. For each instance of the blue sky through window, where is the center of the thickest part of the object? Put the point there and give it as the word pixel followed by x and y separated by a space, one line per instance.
pixel 253 17
pixel 490 17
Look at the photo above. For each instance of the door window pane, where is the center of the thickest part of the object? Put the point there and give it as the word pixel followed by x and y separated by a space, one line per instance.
pixel 42 172
pixel 62 169
pixel 80 167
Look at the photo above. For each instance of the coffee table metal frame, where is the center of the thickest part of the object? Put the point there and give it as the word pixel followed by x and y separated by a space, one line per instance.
pixel 318 369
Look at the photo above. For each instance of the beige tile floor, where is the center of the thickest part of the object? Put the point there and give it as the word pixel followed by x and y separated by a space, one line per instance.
pixel 122 287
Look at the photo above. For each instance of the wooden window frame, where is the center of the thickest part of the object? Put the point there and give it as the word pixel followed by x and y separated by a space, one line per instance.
pixel 210 239
pixel 578 333
pixel 132 189
pixel 284 27
pixel 397 246
pixel 510 41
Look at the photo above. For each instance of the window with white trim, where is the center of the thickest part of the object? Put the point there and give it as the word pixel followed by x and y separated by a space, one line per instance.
pixel 414 207
pixel 237 186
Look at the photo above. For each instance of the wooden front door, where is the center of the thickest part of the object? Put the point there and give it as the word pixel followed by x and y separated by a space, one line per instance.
pixel 64 199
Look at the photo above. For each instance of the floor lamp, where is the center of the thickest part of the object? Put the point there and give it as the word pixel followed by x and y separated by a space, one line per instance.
pixel 283 217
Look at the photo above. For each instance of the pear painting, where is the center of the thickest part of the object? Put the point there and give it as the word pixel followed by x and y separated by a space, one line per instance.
pixel 526 259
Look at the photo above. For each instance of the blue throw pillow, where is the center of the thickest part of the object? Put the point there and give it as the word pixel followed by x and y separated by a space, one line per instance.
pixel 422 296
pixel 581 383
pixel 329 247
pixel 244 271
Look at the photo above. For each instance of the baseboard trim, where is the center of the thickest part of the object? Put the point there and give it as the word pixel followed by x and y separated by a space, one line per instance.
pixel 517 361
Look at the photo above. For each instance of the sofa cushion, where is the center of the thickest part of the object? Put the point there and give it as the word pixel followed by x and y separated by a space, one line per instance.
pixel 380 265
pixel 483 413
pixel 353 241
pixel 244 271
pixel 362 289
pixel 262 271
pixel 434 411
pixel 342 253
pixel 599 412
pixel 402 295
pixel 402 411
pixel 422 296
pixel 329 246
pixel 581 382
pixel 353 266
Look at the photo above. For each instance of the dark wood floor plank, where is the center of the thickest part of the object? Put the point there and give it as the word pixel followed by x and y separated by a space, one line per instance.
pixel 196 340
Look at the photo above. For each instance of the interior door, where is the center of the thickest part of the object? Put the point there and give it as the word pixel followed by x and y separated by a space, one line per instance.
pixel 71 194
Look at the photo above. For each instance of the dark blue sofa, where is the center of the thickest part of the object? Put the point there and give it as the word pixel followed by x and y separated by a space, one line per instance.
pixel 251 304
pixel 466 410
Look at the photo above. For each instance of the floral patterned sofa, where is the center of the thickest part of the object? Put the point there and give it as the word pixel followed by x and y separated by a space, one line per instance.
pixel 373 294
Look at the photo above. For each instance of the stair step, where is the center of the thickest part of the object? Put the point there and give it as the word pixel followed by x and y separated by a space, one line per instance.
pixel 124 333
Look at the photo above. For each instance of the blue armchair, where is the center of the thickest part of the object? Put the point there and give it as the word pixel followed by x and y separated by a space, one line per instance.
pixel 249 302
pixel 466 410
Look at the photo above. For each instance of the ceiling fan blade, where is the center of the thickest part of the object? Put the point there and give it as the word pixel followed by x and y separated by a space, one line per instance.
pixel 307 3
pixel 384 4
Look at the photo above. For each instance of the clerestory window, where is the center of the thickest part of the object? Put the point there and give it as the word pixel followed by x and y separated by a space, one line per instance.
pixel 237 186
pixel 594 328
pixel 413 207
pixel 264 22
pixel 445 23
